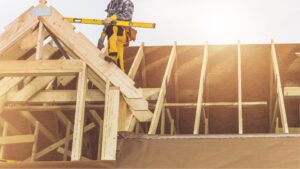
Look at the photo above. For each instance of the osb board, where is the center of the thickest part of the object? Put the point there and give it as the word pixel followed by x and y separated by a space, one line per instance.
pixel 138 151
pixel 221 82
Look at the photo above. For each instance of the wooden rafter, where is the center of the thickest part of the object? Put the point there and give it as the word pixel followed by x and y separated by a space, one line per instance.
pixel 201 91
pixel 163 90
pixel 280 97
pixel 240 106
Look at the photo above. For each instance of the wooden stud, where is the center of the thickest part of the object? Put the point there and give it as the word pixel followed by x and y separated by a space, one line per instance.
pixel 162 121
pixel 162 93
pixel 240 107
pixel 8 140
pixel 282 109
pixel 79 115
pixel 201 91
pixel 68 134
pixel 274 116
pixel 4 134
pixel 110 124
pixel 35 142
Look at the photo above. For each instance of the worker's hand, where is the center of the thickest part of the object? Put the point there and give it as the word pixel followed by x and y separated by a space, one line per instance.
pixel 113 17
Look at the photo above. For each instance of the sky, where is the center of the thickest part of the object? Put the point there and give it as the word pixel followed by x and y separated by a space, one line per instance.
pixel 189 22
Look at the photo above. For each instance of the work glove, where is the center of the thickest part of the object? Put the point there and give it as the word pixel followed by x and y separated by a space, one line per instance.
pixel 111 20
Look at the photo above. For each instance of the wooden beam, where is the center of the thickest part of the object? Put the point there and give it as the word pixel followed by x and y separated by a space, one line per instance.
pixel 216 104
pixel 137 61
pixel 69 96
pixel 163 90
pixel 35 142
pixel 292 91
pixel 110 124
pixel 40 40
pixel 79 115
pixel 201 91
pixel 62 151
pixel 33 87
pixel 16 139
pixel 282 109
pixel 240 106
pixel 40 68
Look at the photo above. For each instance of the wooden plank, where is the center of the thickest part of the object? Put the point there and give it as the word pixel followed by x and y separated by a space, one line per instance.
pixel 216 104
pixel 162 93
pixel 137 61
pixel 292 91
pixel 40 68
pixel 40 41
pixel 110 124
pixel 33 87
pixel 279 90
pixel 122 114
pixel 35 142
pixel 79 115
pixel 16 139
pixel 240 106
pixel 69 96
pixel 61 151
pixel 201 91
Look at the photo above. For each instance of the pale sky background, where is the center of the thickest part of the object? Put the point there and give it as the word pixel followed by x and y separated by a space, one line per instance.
pixel 186 21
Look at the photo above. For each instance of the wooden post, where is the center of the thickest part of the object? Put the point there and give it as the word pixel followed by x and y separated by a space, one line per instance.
pixel 282 109
pixel 34 146
pixel 240 107
pixel 201 91
pixel 4 133
pixel 68 134
pixel 163 121
pixel 79 115
pixel 110 124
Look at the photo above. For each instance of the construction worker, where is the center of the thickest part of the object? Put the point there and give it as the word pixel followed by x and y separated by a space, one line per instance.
pixel 118 38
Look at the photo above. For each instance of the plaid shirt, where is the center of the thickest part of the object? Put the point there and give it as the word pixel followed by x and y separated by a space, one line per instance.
pixel 122 8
